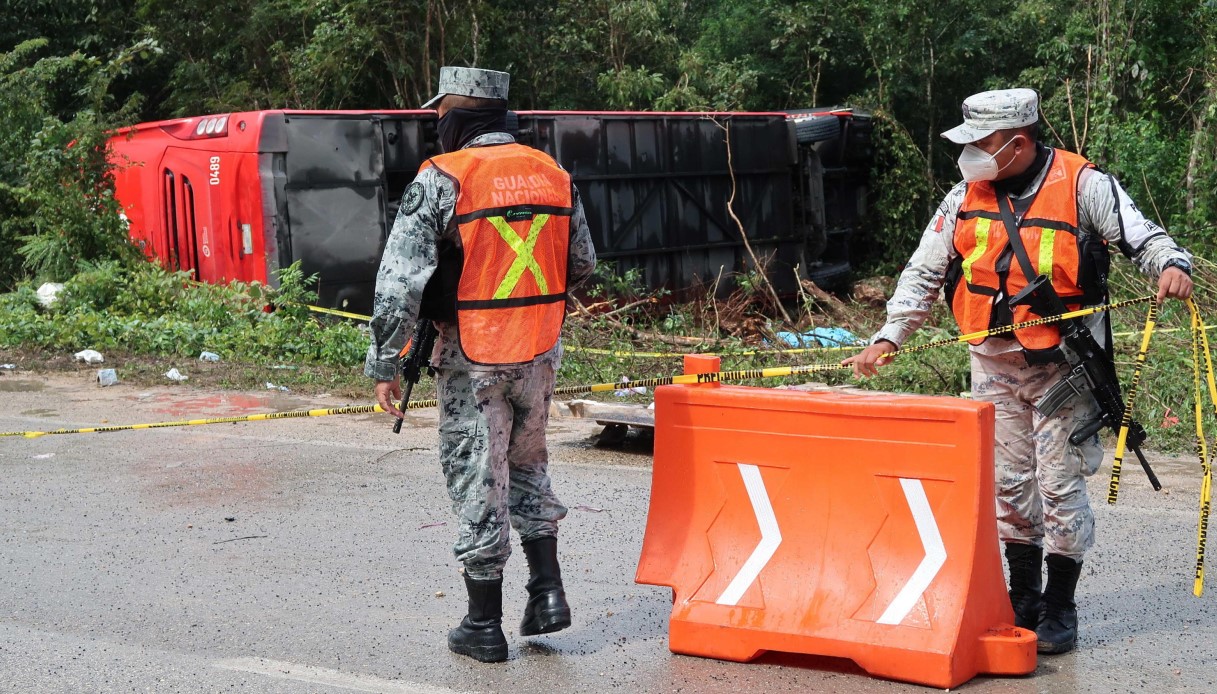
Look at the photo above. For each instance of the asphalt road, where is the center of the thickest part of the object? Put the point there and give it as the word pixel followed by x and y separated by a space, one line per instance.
pixel 314 555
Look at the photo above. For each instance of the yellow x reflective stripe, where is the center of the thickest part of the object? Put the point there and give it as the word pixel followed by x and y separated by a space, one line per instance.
pixel 524 258
pixel 1047 246
pixel 982 245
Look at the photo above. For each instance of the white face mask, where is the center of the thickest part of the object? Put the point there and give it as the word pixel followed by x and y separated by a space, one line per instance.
pixel 978 165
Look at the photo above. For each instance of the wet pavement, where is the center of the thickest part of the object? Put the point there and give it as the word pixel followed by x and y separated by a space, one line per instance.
pixel 314 555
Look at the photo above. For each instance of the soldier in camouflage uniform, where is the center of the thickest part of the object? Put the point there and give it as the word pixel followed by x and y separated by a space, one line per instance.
pixel 1042 504
pixel 492 415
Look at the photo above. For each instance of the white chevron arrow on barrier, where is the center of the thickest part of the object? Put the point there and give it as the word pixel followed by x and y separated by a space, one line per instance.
pixel 771 536
pixel 935 554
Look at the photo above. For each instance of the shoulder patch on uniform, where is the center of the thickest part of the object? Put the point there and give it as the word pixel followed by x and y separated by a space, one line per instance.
pixel 413 198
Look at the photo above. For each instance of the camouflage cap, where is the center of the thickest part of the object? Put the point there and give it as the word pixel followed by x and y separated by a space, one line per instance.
pixel 987 112
pixel 470 81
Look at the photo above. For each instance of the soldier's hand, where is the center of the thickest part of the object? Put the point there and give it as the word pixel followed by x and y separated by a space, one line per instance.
pixel 388 394
pixel 1174 284
pixel 868 361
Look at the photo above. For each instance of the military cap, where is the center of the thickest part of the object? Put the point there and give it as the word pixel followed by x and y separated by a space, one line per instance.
pixel 470 81
pixel 987 112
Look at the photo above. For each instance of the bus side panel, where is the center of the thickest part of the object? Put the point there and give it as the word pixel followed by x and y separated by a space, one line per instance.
pixel 243 225
pixel 656 186
pixel 330 204
pixel 135 188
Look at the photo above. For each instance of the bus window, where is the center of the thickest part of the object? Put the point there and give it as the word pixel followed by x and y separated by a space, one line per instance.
pixel 169 214
pixel 189 244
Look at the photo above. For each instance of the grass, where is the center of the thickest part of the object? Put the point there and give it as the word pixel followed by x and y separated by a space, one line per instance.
pixel 147 321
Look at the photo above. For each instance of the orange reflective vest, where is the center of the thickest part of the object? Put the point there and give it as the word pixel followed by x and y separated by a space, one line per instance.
pixel 513 208
pixel 986 274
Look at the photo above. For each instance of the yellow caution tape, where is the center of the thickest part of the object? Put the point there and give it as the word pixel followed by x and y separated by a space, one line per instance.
pixel 1113 487
pixel 625 353
pixel 354 409
pixel 1200 344
pixel 748 353
pixel 740 375
pixel 1019 326
pixel 336 312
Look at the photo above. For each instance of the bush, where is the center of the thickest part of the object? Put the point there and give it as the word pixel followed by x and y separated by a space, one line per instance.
pixel 57 205
pixel 144 309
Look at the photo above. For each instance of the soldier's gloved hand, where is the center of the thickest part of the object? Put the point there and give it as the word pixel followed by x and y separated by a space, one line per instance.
pixel 1174 284
pixel 866 362
pixel 388 394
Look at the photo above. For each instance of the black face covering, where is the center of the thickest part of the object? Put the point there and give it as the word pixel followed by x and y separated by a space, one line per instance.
pixel 460 125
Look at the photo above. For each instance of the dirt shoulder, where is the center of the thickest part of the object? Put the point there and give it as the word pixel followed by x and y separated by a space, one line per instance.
pixel 144 371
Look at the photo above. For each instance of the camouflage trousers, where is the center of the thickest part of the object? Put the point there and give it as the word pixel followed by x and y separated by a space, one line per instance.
pixel 492 450
pixel 1040 477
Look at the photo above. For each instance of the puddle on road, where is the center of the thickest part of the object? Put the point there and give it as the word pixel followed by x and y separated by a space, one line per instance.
pixel 223 404
pixel 7 386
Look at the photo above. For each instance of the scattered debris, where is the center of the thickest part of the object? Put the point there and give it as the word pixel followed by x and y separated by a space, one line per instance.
pixel 106 377
pixel 175 375
pixel 432 525
pixel 6 367
pixel 247 537
pixel 622 392
pixel 230 518
pixel 1169 420
pixel 209 356
pixel 822 337
pixel 590 509
pixel 439 593
pixel 48 294
pixel 642 416
pixel 272 386
pixel 873 291
pixel 44 456
pixel 89 356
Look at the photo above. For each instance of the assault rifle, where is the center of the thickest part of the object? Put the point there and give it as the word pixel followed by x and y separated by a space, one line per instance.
pixel 418 353
pixel 1091 371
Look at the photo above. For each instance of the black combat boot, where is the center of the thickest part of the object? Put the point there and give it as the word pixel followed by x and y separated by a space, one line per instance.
pixel 1058 628
pixel 547 610
pixel 1026 581
pixel 480 634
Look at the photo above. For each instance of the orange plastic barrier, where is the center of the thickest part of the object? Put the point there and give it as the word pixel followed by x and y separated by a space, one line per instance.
pixel 853 526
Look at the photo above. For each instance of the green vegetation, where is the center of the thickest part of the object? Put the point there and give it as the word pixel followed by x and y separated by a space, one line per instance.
pixel 146 319
pixel 1121 82
pixel 144 310
pixel 1130 83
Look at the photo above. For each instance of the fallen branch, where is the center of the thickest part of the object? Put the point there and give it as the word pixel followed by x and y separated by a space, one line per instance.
pixel 679 340
pixel 760 269
pixel 247 537
pixel 623 309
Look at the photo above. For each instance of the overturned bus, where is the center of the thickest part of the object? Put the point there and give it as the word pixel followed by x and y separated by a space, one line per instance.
pixel 236 196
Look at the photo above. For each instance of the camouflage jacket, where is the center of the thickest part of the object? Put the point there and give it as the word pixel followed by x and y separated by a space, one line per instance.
pixel 1103 208
pixel 411 257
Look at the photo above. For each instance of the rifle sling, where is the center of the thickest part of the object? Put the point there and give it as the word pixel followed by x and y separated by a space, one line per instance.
pixel 1016 239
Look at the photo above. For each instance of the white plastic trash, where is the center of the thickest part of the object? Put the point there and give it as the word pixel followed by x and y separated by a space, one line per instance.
pixel 272 386
pixel 621 393
pixel 209 356
pixel 48 294
pixel 106 377
pixel 175 375
pixel 90 356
